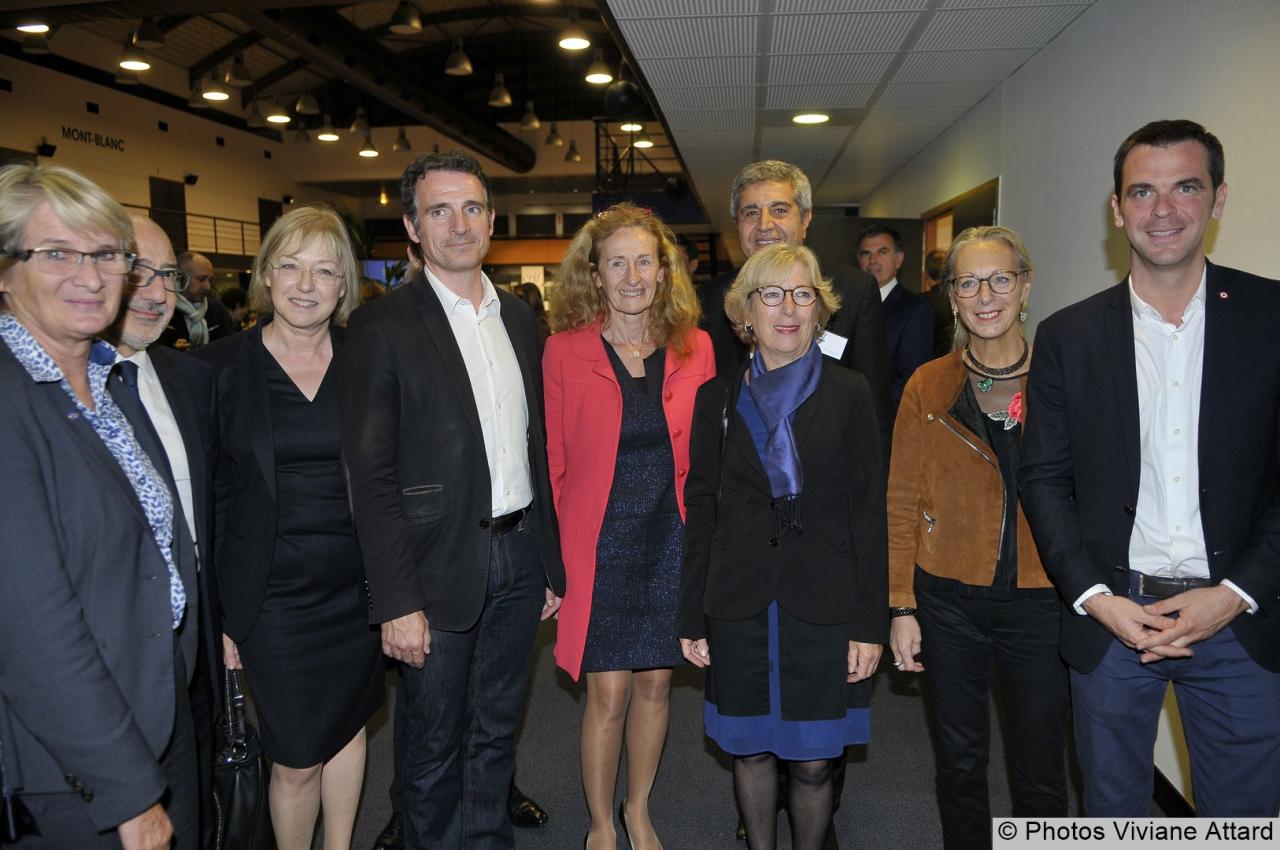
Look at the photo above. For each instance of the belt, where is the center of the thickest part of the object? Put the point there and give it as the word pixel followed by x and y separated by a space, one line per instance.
pixel 1162 587
pixel 506 522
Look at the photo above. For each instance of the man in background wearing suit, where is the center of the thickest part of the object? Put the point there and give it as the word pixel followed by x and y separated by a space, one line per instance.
pixel 176 394
pixel 908 318
pixel 771 201
pixel 446 453
pixel 1151 479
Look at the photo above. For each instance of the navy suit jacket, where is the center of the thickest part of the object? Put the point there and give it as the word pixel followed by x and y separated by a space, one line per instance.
pixel 908 329
pixel 1082 454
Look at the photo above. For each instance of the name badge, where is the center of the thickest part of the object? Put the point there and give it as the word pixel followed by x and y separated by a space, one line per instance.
pixel 832 345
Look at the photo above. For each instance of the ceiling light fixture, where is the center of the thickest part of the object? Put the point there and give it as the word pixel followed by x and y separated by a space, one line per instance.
pixel 361 124
pixel 327 133
pixel 255 121
pixel 238 75
pixel 148 36
pixel 35 45
pixel 276 114
pixel 499 97
pixel 554 139
pixel 643 142
pixel 401 143
pixel 33 27
pixel 529 121
pixel 405 20
pixel 598 73
pixel 811 118
pixel 382 196
pixel 458 64
pixel 574 37
pixel 214 90
pixel 572 154
pixel 307 105
pixel 367 150
pixel 631 127
pixel 134 59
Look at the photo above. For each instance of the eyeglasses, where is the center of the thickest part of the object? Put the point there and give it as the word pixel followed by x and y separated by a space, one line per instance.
pixel 801 296
pixel 68 260
pixel 1000 283
pixel 291 273
pixel 171 279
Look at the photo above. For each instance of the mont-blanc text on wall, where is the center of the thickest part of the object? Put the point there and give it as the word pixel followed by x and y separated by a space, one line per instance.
pixel 89 137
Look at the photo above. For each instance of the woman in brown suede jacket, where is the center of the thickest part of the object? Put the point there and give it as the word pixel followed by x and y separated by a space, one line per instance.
pixel 967 590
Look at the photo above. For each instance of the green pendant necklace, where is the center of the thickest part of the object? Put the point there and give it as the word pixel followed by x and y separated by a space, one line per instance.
pixel 987 380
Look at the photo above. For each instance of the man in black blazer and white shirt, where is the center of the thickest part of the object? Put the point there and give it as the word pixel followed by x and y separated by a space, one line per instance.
pixel 1151 479
pixel 446 454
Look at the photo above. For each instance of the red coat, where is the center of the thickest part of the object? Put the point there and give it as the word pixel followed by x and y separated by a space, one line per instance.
pixel 584 421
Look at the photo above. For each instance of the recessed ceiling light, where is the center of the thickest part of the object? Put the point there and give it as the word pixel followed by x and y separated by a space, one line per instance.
pixel 643 142
pixel 631 127
pixel 811 118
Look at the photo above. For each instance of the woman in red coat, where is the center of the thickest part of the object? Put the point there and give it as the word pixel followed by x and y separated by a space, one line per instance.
pixel 620 380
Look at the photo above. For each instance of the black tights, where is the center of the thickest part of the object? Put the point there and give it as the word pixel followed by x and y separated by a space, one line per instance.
pixel 810 799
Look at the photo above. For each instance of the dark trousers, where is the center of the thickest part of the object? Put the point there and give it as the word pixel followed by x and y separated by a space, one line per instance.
pixel 456 718
pixel 62 820
pixel 1230 711
pixel 962 640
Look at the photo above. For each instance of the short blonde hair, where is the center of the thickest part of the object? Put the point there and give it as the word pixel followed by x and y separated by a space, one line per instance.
pixel 768 267
pixel 295 229
pixel 578 301
pixel 81 204
pixel 973 235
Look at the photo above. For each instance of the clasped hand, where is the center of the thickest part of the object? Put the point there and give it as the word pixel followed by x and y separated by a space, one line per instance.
pixel 1152 629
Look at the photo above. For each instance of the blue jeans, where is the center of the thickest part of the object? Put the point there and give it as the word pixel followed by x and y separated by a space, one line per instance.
pixel 456 718
pixel 1230 711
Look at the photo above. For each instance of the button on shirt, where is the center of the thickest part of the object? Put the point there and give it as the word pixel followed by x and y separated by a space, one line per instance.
pixel 498 387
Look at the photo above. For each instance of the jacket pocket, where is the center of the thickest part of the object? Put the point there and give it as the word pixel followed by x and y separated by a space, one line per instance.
pixel 422 503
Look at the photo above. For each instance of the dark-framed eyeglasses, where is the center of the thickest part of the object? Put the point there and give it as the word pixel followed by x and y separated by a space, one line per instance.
pixel 171 279
pixel 772 296
pixel 68 260
pixel 1001 283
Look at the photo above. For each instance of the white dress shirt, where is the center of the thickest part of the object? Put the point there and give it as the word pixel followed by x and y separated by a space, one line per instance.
pixel 498 387
pixel 1168 535
pixel 162 419
pixel 887 288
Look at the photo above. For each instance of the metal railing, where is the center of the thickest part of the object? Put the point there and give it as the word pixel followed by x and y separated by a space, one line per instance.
pixel 206 234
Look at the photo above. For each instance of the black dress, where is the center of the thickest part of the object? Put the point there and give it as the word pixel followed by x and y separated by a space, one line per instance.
pixel 637 585
pixel 313 662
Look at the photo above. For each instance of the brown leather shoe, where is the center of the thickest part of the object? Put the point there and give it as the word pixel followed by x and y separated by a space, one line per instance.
pixel 523 811
pixel 392 835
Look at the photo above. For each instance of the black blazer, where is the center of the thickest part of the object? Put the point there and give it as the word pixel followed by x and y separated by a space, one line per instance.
pixel 1082 456
pixel 908 326
pixel 86 642
pixel 860 320
pixel 837 570
pixel 245 488
pixel 416 461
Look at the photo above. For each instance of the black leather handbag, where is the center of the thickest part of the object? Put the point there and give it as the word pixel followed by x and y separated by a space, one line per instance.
pixel 240 779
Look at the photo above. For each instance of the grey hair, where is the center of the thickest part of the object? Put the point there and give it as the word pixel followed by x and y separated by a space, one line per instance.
pixel 772 169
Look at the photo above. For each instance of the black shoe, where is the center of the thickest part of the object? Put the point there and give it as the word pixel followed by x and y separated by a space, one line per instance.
pixel 523 811
pixel 830 843
pixel 392 835
pixel 742 830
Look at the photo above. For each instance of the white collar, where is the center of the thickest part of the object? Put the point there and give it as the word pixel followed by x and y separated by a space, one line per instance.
pixel 887 288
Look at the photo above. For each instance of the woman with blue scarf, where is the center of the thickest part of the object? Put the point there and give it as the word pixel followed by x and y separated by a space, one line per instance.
pixel 785 568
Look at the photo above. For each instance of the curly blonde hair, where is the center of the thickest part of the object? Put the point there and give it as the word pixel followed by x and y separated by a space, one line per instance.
pixel 765 268
pixel 578 301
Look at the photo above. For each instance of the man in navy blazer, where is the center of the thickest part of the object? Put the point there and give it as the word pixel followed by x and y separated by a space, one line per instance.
pixel 1151 479
pixel 908 318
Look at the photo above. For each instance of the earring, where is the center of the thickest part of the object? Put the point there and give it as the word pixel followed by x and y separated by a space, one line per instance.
pixel 749 329
pixel 1022 313
pixel 955 314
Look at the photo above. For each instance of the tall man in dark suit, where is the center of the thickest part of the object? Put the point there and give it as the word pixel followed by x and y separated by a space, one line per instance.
pixel 771 201
pixel 908 318
pixel 446 452
pixel 1151 478
pixel 176 394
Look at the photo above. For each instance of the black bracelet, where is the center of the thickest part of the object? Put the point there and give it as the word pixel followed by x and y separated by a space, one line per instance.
pixel 902 612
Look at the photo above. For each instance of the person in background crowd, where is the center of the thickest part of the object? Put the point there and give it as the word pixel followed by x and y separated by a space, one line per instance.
pixel 531 295
pixel 199 319
pixel 944 324
pixel 295 614
pixel 908 319
pixel 446 455
pixel 689 253
pixel 620 377
pixel 176 395
pixel 784 595
pixel 953 505
pixel 236 302
pixel 1151 478
pixel 95 728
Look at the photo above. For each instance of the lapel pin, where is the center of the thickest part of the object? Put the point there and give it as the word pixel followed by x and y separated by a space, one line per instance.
pixel 1224 296
pixel 73 415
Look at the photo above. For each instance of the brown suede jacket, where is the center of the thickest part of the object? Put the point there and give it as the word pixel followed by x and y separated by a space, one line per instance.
pixel 946 495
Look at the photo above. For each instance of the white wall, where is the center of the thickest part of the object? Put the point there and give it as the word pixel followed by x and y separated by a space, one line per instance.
pixel 1049 133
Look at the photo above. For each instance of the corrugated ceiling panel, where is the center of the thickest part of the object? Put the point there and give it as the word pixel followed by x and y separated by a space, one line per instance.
pixel 839 68
pixel 706 71
pixel 703 119
pixel 959 65
pixel 818 97
pixel 926 115
pixel 805 7
pixel 716 138
pixel 689 37
pixel 991 4
pixel 193 41
pixel 882 31
pixel 743 97
pixel 991 28
pixel 936 94
pixel 622 9
pixel 804 137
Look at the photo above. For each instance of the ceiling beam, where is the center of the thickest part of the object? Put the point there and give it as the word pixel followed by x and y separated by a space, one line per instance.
pixel 269 79
pixel 207 63
pixel 335 47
